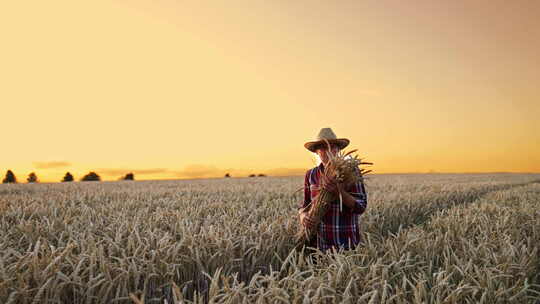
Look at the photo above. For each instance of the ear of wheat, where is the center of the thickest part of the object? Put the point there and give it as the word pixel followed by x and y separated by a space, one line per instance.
pixel 343 169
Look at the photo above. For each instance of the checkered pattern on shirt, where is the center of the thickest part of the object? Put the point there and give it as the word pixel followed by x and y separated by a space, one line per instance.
pixel 337 229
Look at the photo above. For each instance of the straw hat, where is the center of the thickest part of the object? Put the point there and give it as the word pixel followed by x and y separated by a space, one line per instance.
pixel 330 136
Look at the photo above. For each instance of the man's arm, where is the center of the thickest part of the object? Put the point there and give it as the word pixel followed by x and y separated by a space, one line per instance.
pixel 307 193
pixel 302 210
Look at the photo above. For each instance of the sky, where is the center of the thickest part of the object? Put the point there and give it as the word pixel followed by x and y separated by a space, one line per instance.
pixel 187 89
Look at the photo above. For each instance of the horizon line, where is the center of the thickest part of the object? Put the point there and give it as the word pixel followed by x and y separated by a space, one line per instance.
pixel 294 175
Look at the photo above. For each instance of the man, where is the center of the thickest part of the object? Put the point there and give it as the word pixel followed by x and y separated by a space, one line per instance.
pixel 338 229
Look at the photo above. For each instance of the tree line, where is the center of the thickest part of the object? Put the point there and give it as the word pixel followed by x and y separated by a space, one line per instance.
pixel 251 175
pixel 68 177
pixel 90 176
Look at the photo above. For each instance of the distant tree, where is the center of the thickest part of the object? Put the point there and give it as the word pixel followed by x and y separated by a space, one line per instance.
pixel 68 177
pixel 129 176
pixel 227 175
pixel 252 175
pixel 262 175
pixel 91 177
pixel 10 178
pixel 32 178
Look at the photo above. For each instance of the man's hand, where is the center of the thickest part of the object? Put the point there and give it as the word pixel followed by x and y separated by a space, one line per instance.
pixel 334 187
pixel 337 188
pixel 302 215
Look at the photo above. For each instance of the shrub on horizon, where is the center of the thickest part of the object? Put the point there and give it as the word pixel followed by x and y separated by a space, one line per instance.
pixel 10 178
pixel 91 177
pixel 68 177
pixel 32 178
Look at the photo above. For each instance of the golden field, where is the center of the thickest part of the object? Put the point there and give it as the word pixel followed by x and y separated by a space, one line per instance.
pixel 433 238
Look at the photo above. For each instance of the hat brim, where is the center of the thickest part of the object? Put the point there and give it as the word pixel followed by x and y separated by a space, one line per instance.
pixel 313 145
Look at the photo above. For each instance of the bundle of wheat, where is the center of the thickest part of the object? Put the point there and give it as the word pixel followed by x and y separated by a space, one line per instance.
pixel 342 169
pixel 315 211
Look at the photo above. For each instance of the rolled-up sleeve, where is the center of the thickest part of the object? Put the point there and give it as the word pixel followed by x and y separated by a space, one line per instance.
pixel 307 192
pixel 358 191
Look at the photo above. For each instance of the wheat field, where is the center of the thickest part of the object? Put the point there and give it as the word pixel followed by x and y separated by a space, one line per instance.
pixel 436 238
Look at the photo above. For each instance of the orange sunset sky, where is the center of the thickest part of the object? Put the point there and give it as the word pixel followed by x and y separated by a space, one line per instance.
pixel 186 89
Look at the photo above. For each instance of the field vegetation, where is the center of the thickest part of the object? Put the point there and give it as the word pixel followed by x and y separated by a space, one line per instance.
pixel 437 238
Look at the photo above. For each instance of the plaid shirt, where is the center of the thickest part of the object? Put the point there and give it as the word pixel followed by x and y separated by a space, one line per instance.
pixel 337 229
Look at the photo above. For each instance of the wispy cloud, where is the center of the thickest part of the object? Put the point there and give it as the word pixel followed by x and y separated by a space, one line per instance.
pixel 51 164
pixel 206 171
pixel 286 171
pixel 121 171
pixel 201 171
